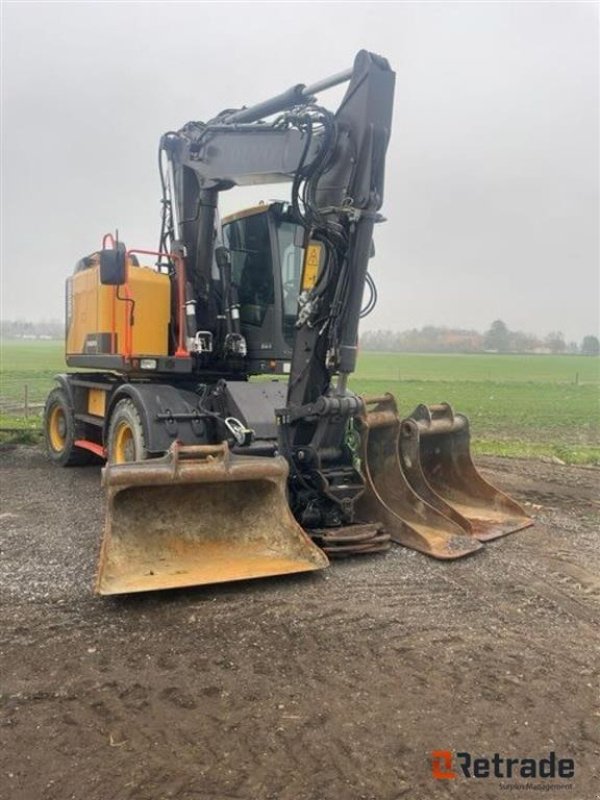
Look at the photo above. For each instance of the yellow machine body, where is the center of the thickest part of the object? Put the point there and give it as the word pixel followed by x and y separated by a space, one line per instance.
pixel 104 320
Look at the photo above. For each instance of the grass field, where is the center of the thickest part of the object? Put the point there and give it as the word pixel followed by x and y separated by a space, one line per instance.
pixel 518 405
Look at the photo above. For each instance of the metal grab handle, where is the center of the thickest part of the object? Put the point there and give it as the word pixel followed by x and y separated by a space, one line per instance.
pixel 434 427
pixel 441 410
pixel 184 452
pixel 438 413
pixel 371 400
pixel 382 419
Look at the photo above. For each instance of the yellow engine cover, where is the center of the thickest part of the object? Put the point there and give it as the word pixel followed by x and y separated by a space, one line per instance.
pixel 98 315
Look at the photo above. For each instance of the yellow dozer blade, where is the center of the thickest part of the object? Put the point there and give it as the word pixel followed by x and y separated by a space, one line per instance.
pixel 199 515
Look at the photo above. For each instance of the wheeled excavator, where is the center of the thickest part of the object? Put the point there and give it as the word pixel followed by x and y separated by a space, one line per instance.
pixel 212 374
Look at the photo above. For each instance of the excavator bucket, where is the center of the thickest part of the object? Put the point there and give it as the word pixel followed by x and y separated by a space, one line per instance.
pixel 199 515
pixel 408 518
pixel 436 459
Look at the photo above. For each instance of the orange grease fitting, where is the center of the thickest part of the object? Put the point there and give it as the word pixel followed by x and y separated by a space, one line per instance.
pixel 199 515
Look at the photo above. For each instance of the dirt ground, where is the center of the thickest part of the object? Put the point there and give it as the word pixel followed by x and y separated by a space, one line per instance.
pixel 329 686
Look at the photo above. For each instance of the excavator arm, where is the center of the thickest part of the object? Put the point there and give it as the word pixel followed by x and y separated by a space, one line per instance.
pixel 335 163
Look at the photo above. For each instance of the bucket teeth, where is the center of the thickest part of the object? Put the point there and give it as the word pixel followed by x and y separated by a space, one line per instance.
pixel 422 483
pixel 200 515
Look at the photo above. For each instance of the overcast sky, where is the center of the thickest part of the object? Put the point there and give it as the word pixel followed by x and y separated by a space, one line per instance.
pixel 492 170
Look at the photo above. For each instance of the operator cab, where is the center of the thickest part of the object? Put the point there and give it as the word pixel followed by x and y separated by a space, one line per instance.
pixel 267 259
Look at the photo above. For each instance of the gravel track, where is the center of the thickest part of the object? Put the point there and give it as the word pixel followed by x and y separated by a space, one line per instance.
pixel 328 686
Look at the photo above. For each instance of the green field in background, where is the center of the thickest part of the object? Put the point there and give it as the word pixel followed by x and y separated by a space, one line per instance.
pixel 29 363
pixel 478 367
pixel 518 405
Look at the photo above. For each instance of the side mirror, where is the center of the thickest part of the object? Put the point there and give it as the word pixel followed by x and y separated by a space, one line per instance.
pixel 112 265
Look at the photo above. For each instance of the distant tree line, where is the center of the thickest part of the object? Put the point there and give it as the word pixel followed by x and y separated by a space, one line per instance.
pixel 498 339
pixel 430 339
pixel 20 329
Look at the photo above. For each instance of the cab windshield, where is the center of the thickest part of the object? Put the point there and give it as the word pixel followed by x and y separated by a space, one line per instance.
pixel 250 241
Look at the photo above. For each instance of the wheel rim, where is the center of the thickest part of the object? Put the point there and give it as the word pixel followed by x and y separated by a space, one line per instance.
pixel 57 429
pixel 124 445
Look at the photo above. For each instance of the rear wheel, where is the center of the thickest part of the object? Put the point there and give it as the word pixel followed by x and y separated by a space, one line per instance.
pixel 60 431
pixel 126 440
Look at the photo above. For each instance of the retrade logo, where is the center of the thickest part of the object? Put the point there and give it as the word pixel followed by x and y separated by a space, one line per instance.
pixel 446 765
pixel 441 765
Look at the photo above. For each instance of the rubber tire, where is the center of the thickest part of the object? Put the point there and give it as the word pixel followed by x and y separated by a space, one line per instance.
pixel 126 411
pixel 69 456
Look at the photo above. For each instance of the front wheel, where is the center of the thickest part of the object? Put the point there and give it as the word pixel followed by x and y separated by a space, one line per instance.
pixel 60 431
pixel 126 440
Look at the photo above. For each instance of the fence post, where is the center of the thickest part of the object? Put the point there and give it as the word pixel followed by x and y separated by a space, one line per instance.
pixel 26 402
